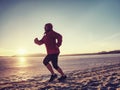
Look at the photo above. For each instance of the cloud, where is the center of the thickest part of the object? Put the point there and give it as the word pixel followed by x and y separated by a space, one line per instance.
pixel 113 36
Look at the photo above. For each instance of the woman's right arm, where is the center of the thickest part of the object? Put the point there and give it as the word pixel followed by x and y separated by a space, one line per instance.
pixel 39 42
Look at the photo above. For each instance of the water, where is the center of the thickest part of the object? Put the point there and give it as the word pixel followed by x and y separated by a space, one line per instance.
pixel 23 68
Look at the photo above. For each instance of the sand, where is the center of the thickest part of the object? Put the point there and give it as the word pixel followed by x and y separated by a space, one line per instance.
pixel 99 78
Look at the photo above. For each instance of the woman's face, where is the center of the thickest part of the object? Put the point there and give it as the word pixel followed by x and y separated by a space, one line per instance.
pixel 48 27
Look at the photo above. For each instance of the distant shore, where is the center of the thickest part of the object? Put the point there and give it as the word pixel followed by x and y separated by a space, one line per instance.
pixel 75 54
pixel 99 78
pixel 98 53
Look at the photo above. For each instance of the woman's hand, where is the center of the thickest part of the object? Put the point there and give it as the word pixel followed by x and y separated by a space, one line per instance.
pixel 36 41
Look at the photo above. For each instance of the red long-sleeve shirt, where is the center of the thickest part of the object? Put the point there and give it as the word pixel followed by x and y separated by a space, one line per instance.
pixel 52 41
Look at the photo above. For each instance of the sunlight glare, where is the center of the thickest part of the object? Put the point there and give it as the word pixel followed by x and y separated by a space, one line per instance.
pixel 22 62
pixel 22 51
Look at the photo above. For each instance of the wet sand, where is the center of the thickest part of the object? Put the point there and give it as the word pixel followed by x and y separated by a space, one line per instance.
pixel 99 78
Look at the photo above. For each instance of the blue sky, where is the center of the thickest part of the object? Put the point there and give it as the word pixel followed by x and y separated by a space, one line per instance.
pixel 86 25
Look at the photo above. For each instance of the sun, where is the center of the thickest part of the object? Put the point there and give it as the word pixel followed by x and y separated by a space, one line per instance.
pixel 22 51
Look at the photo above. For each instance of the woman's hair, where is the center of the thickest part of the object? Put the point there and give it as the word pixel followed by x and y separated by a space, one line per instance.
pixel 49 26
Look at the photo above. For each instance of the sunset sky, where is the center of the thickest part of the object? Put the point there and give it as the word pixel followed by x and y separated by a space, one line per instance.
pixel 86 25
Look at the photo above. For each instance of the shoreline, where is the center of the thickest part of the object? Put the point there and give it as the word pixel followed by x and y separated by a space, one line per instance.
pixel 98 78
pixel 76 54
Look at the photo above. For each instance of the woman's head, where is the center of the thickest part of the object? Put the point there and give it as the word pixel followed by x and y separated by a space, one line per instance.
pixel 48 27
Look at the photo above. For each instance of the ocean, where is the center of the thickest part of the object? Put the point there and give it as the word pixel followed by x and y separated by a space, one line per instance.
pixel 14 69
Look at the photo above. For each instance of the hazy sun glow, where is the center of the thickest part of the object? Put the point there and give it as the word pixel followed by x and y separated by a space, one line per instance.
pixel 22 51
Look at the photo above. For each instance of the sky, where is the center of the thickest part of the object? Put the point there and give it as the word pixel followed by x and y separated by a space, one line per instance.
pixel 87 26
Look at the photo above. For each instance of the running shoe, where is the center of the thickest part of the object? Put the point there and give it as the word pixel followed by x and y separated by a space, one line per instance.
pixel 53 77
pixel 62 78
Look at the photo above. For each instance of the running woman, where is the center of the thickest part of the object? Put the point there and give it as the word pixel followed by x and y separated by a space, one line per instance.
pixel 52 41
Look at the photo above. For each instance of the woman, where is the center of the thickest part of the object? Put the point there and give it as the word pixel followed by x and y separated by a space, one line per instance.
pixel 52 41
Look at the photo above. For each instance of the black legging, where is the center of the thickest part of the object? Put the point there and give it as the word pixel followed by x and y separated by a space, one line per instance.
pixel 53 58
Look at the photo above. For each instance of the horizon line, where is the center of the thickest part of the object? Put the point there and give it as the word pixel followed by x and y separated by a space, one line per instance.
pixel 72 54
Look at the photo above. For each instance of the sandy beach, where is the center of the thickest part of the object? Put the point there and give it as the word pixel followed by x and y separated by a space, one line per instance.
pixel 99 78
